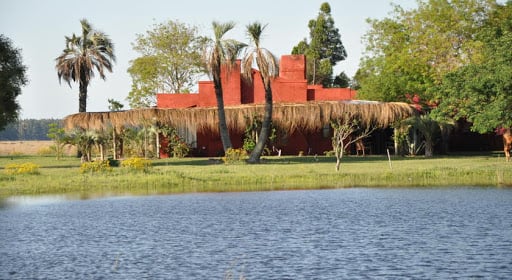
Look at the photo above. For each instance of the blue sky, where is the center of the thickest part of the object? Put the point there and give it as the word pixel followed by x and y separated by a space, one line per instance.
pixel 38 28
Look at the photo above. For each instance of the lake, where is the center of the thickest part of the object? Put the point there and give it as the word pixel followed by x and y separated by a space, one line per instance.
pixel 359 233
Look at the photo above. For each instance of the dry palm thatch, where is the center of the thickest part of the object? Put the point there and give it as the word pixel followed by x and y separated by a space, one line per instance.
pixel 293 116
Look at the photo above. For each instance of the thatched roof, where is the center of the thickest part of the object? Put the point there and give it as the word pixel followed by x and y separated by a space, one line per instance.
pixel 306 116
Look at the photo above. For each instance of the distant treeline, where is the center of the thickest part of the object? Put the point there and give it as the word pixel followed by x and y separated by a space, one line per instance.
pixel 28 129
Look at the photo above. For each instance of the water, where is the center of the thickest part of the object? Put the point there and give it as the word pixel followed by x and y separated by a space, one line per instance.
pixel 446 233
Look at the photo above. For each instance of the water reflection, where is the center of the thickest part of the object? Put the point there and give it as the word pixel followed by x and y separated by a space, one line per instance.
pixel 21 201
pixel 38 200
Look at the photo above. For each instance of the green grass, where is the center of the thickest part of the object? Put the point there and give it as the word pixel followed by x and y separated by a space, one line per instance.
pixel 284 173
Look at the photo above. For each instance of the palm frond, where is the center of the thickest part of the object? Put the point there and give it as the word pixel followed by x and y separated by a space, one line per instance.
pixel 267 63
pixel 254 31
pixel 83 54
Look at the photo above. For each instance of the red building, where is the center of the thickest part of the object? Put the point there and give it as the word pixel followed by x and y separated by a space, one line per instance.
pixel 289 87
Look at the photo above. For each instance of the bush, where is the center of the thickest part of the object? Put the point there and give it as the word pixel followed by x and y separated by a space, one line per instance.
pixel 137 163
pixel 235 155
pixel 22 168
pixel 46 151
pixel 329 153
pixel 177 146
pixel 95 166
pixel 113 162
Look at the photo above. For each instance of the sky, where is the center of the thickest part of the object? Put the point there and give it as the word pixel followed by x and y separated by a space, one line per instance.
pixel 38 29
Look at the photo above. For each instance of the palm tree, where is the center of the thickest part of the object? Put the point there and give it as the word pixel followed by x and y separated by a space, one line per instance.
pixel 269 68
pixel 429 128
pixel 83 54
pixel 222 52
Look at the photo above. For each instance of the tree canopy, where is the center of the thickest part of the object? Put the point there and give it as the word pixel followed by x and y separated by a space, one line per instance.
pixel 324 48
pixel 12 78
pixel 454 55
pixel 482 92
pixel 411 51
pixel 170 62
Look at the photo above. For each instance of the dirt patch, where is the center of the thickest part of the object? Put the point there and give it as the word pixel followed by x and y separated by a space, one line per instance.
pixel 31 148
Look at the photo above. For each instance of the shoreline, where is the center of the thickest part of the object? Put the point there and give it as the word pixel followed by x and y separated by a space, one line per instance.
pixel 197 175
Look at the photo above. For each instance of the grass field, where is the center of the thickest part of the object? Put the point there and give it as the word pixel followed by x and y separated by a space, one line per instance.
pixel 276 173
pixel 10 148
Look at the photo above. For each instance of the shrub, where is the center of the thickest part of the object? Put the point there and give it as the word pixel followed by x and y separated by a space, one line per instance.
pixel 180 149
pixel 235 155
pixel 22 168
pixel 137 163
pixel 95 166
pixel 329 153
pixel 249 144
pixel 177 146
pixel 46 151
pixel 113 162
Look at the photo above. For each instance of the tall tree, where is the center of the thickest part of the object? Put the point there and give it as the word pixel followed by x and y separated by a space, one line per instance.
pixel 482 92
pixel 341 81
pixel 12 78
pixel 268 68
pixel 221 53
pixel 324 48
pixel 411 51
pixel 93 50
pixel 170 62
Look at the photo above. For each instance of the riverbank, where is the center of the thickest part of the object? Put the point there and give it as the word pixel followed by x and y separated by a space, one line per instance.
pixel 276 173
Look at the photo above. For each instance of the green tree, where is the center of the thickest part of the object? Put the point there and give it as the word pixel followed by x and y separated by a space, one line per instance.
pixel 59 137
pixel 81 56
pixel 341 81
pixel 221 53
pixel 170 62
pixel 114 105
pixel 411 51
pixel 429 129
pixel 324 48
pixel 269 69
pixel 12 78
pixel 27 129
pixel 145 83
pixel 482 92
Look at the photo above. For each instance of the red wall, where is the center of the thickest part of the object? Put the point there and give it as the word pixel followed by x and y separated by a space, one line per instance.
pixel 289 91
pixel 290 87
pixel 293 67
pixel 318 93
pixel 177 100
pixel 209 143
pixel 310 143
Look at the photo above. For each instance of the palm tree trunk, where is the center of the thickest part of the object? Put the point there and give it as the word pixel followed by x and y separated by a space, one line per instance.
pixel 429 145
pixel 429 148
pixel 265 128
pixel 82 97
pixel 223 127
pixel 82 104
